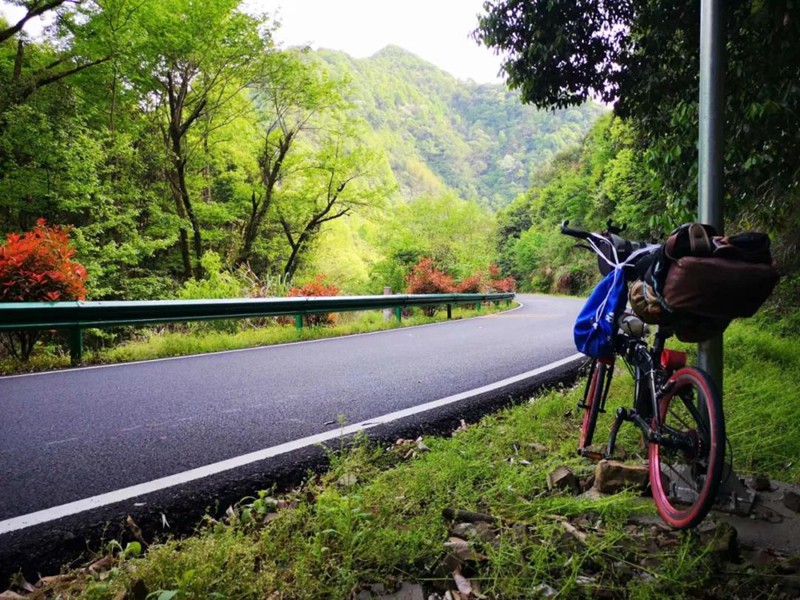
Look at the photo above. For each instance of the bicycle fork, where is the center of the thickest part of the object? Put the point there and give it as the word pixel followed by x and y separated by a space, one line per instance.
pixel 645 397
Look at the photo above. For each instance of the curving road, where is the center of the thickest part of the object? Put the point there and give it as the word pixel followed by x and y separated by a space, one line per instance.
pixel 74 434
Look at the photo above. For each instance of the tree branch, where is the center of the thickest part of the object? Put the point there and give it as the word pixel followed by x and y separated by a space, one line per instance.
pixel 34 11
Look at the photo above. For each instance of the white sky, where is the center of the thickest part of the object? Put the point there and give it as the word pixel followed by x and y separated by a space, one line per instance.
pixel 435 30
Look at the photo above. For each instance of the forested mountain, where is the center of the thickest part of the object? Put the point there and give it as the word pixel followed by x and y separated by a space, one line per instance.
pixel 440 132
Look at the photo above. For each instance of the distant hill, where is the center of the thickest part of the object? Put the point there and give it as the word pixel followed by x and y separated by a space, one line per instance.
pixel 440 132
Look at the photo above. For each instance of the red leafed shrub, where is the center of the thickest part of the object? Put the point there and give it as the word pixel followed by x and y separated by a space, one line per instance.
pixel 474 284
pixel 317 287
pixel 508 284
pixel 425 278
pixel 37 267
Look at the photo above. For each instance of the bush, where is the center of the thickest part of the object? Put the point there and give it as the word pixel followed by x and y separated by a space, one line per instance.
pixel 496 284
pixel 37 267
pixel 317 287
pixel 217 284
pixel 425 278
pixel 474 284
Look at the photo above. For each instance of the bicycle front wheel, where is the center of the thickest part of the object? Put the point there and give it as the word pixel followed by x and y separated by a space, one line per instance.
pixel 686 463
pixel 592 401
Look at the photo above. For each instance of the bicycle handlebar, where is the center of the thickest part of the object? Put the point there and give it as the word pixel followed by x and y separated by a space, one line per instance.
pixel 576 233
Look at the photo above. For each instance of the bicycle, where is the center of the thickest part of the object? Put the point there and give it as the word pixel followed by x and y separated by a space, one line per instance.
pixel 677 408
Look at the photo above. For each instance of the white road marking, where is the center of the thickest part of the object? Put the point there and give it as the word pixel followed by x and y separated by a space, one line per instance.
pixel 79 506
pixel 72 439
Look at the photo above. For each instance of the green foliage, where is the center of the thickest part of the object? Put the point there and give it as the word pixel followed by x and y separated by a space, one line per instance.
pixel 441 133
pixel 217 282
pixel 162 133
pixel 454 233
pixel 587 185
pixel 645 58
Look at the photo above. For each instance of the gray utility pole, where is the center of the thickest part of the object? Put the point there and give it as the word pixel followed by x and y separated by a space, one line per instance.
pixel 732 494
pixel 712 107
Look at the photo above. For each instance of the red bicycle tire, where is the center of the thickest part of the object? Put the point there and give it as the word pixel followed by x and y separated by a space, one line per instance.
pixel 713 449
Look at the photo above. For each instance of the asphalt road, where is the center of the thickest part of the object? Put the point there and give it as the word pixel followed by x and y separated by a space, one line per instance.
pixel 69 435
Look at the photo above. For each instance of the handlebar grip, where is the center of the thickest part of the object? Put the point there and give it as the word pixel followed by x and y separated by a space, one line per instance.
pixel 576 233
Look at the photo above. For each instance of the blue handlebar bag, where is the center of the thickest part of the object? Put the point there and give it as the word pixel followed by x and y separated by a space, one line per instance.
pixel 597 323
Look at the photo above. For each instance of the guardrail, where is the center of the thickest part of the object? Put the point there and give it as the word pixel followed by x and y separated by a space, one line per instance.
pixel 74 317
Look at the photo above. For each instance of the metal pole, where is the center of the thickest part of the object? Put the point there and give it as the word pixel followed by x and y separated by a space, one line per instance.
pixel 709 184
pixel 75 346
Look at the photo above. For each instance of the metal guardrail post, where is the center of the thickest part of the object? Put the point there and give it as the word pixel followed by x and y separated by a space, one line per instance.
pixel 298 321
pixel 449 311
pixel 478 306
pixel 398 313
pixel 75 346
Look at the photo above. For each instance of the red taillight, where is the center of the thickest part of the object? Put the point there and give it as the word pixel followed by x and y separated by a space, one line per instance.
pixel 673 359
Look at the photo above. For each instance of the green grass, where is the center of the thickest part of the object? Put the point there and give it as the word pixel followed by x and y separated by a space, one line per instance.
pixel 202 338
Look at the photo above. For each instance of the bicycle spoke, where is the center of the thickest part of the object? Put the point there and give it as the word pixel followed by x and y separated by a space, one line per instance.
pixel 689 484
pixel 677 418
pixel 698 420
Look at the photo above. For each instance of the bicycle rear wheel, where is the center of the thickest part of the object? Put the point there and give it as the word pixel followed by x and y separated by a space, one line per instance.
pixel 686 464
pixel 592 401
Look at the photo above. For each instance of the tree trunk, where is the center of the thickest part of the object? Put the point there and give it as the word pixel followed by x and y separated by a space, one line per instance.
pixel 291 264
pixel 182 192
pixel 184 235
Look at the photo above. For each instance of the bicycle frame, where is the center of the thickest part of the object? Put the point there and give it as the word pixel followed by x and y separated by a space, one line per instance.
pixel 651 381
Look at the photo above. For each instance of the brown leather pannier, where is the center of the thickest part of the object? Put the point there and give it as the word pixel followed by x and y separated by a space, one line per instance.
pixel 718 287
pixel 698 281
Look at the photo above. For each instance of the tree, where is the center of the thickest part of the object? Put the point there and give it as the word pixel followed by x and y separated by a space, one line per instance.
pixel 292 93
pixel 198 57
pixel 644 57
pixel 334 181
pixel 39 66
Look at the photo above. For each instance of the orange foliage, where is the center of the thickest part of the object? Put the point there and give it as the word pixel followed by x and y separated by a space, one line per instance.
pixel 37 267
pixel 317 287
pixel 425 278
pixel 508 284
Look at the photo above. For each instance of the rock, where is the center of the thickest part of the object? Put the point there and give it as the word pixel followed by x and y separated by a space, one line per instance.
pixel 791 500
pixel 347 480
pixel 544 591
pixel 611 477
pixel 465 515
pixel 721 539
pixel 537 447
pixel 760 483
pixel 563 479
pixel 407 591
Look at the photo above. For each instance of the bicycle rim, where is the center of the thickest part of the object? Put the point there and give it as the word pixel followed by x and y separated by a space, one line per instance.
pixel 686 468
pixel 592 400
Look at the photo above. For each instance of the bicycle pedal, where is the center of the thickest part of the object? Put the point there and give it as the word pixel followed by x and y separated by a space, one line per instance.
pixel 590 454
